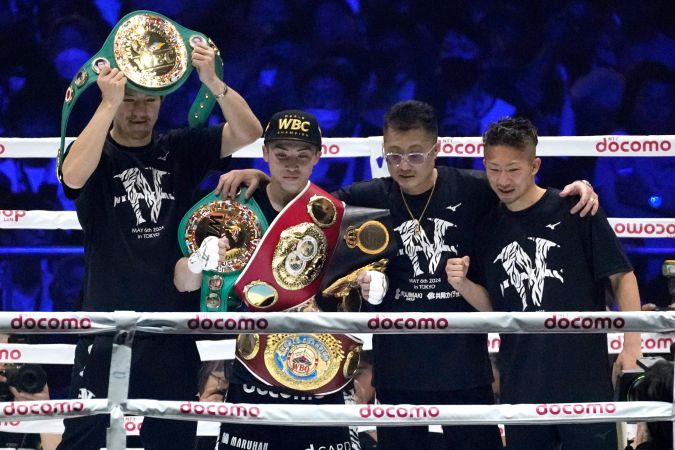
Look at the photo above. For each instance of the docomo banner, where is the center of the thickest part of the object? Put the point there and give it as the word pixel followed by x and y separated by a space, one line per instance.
pixel 37 354
pixel 469 147
pixel 38 220
pixel 364 415
pixel 651 342
pixel 33 427
pixel 18 411
pixel 643 228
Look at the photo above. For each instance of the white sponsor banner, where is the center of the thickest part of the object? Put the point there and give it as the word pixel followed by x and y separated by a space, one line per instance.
pixel 643 228
pixel 32 427
pixel 224 349
pixel 463 147
pixel 343 415
pixel 67 220
pixel 37 354
pixel 39 220
pixel 376 323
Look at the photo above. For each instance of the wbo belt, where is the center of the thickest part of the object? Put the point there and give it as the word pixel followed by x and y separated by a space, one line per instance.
pixel 242 221
pixel 317 363
pixel 153 53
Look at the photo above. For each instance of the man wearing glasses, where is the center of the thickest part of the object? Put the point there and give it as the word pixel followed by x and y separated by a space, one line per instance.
pixel 434 211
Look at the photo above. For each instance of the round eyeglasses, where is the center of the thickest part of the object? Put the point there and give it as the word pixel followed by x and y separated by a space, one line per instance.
pixel 415 158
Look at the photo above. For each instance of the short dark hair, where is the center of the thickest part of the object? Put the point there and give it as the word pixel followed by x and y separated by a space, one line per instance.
pixel 657 386
pixel 411 114
pixel 516 132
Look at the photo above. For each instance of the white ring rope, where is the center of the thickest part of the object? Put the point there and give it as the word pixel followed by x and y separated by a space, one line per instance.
pixel 326 322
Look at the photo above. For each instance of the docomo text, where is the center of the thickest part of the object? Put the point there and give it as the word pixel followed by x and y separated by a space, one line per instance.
pixel 584 323
pixel 10 354
pixel 614 145
pixel 575 409
pixel 11 215
pixel 207 322
pixel 50 323
pixel 43 409
pixel 638 229
pixel 398 411
pixel 407 323
pixel 220 409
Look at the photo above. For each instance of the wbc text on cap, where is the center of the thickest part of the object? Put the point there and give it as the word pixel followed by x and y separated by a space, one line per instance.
pixel 294 125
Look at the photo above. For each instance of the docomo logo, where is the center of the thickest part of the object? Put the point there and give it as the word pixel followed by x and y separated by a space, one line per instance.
pixel 613 145
pixel 206 323
pixel 410 323
pixel 50 323
pixel 219 409
pixel 576 409
pixel 12 215
pixel 133 426
pixel 399 411
pixel 652 344
pixel 7 354
pixel 332 149
pixel 14 424
pixel 45 409
pixel 461 148
pixel 621 228
pixel 584 323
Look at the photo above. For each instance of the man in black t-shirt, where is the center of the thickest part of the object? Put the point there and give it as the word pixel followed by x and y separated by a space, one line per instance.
pixel 532 255
pixel 131 188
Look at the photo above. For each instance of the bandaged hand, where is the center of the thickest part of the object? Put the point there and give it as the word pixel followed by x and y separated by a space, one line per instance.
pixel 373 285
pixel 206 258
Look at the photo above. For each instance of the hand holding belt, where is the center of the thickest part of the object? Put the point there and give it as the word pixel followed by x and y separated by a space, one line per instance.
pixel 242 222
pixel 152 52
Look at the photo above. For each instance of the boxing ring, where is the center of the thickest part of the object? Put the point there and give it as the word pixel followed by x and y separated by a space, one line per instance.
pixel 34 417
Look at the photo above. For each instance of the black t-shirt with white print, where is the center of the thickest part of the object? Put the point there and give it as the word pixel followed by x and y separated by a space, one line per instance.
pixel 418 283
pixel 130 209
pixel 545 259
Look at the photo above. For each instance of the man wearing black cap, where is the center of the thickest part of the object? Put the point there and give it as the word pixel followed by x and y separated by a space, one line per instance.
pixel 292 148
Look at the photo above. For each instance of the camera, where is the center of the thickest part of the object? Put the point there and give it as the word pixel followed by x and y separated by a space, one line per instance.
pixel 630 380
pixel 30 378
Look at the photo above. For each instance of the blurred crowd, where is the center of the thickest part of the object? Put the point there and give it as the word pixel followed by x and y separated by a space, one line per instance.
pixel 574 67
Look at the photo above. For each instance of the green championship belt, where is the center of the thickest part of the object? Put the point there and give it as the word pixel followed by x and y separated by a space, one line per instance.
pixel 152 51
pixel 244 224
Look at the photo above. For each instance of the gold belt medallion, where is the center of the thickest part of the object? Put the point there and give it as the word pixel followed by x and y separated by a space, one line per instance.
pixel 225 218
pixel 150 51
pixel 303 362
pixel 299 256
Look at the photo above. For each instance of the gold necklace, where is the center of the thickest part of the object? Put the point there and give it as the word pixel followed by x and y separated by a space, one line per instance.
pixel 418 221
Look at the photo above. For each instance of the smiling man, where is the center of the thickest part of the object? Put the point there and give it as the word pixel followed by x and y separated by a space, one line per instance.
pixel 532 255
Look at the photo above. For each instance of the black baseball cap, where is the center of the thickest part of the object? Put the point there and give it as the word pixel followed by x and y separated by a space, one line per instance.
pixel 294 125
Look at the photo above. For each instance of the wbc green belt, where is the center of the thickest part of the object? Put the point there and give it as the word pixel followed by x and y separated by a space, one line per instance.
pixel 153 52
pixel 242 222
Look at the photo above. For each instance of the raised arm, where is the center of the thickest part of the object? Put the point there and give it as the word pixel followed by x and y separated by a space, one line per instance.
pixel 242 127
pixel 85 153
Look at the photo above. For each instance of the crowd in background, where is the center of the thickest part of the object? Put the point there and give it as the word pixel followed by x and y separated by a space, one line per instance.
pixel 574 67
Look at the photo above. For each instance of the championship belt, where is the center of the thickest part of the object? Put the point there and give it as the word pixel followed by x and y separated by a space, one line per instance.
pixel 153 53
pixel 317 363
pixel 243 223
pixel 284 272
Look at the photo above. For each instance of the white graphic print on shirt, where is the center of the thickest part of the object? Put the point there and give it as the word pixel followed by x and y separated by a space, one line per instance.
pixel 520 270
pixel 139 188
pixel 413 243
